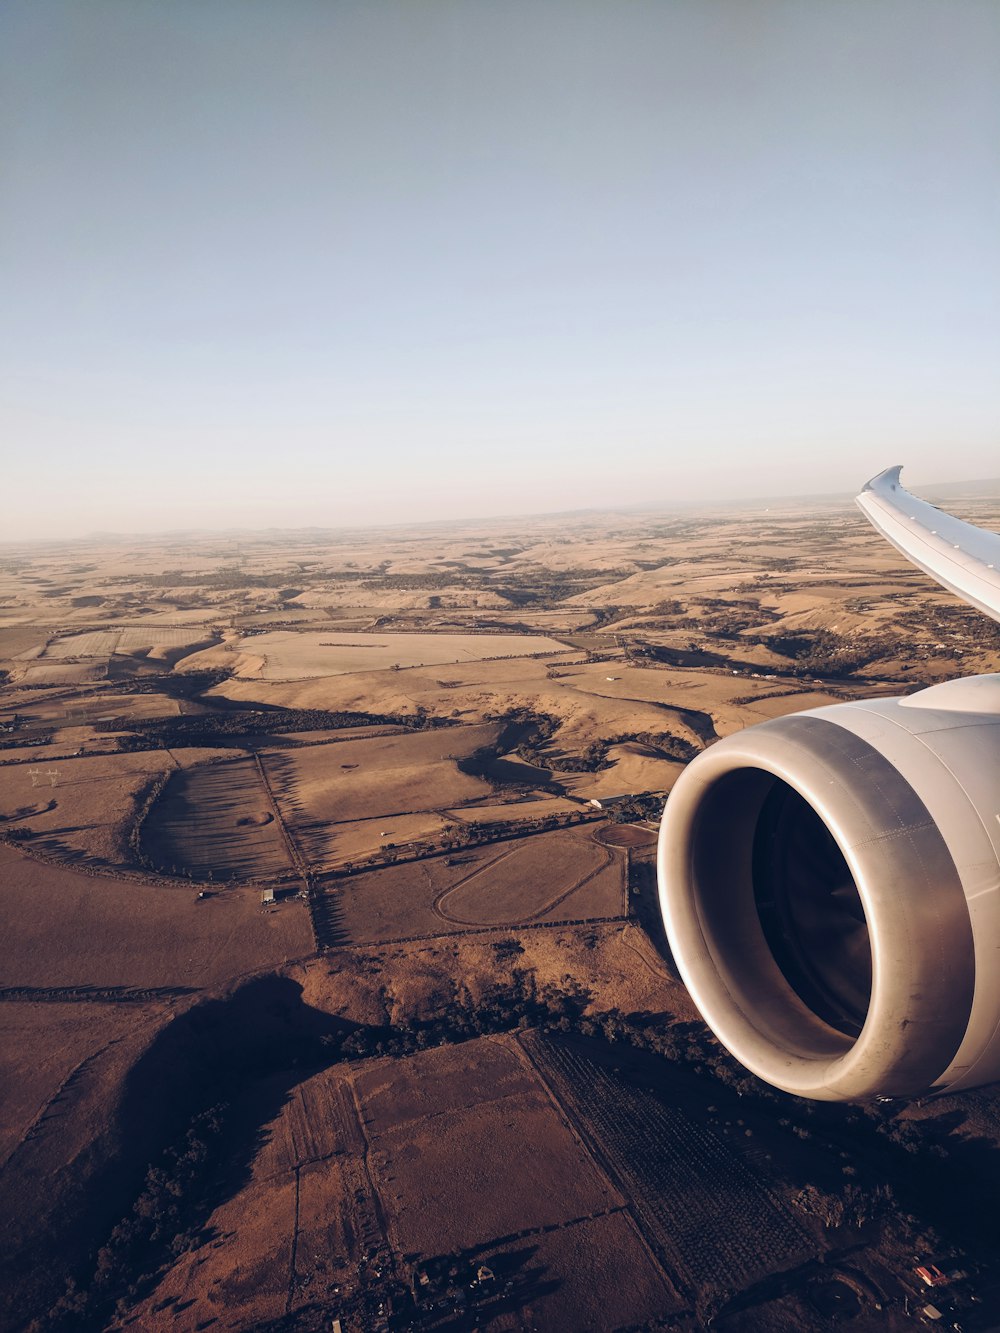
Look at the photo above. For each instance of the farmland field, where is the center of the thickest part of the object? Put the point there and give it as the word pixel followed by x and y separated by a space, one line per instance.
pixel 321 789
pixel 560 875
pixel 158 642
pixel 62 1037
pixel 626 835
pixel 699 1203
pixel 85 816
pixel 589 1270
pixel 502 1144
pixel 63 928
pixel 533 879
pixel 215 820
pixel 64 673
pixel 294 656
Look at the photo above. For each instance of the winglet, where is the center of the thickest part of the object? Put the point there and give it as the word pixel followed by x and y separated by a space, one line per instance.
pixel 890 477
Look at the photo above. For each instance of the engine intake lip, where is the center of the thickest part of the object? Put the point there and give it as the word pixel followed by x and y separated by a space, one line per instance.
pixel 918 922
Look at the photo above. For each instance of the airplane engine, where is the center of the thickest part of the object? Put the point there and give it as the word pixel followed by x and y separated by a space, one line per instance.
pixel 830 887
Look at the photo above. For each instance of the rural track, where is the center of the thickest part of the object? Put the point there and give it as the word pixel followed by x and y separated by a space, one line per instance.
pixel 660 973
pixel 466 879
pixel 291 847
pixel 290 1293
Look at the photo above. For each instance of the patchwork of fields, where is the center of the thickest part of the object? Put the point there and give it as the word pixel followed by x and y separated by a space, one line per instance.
pixel 377 774
pixel 458 1151
pixel 156 642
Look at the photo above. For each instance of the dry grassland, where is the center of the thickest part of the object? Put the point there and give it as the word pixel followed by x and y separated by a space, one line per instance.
pixel 297 656
pixel 241 1282
pixel 44 1049
pixel 395 982
pixel 86 816
pixel 333 796
pixel 590 1271
pixel 66 929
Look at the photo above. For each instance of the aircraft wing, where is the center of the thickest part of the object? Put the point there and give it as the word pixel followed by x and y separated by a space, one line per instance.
pixel 961 557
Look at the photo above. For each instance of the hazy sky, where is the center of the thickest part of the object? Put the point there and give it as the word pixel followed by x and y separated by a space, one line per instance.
pixel 328 262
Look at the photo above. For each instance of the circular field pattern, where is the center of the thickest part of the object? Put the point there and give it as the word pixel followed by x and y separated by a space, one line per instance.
pixel 626 835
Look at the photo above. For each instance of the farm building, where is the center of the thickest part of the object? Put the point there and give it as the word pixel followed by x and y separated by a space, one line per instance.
pixel 606 802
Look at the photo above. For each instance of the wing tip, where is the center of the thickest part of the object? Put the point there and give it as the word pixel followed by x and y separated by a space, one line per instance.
pixel 889 478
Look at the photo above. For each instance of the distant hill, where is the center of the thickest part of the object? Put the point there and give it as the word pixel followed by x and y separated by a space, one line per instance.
pixel 971 490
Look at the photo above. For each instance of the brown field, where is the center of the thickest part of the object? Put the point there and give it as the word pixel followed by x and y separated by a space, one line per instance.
pixel 21 642
pixel 84 709
pixel 362 838
pixel 156 642
pixel 562 875
pixel 538 875
pixel 589 1272
pixel 296 656
pixel 626 835
pixel 64 673
pixel 444 1082
pixel 509 1151
pixel 215 821
pixel 64 1039
pixel 63 928
pixel 324 790
pixel 85 817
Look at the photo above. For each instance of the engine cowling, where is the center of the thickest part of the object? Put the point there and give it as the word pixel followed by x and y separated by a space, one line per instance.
pixel 830 887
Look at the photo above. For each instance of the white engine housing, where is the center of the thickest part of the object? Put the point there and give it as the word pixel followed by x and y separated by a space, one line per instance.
pixel 902 796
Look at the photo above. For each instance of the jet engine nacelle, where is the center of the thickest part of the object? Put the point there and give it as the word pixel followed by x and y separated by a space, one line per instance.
pixel 830 886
